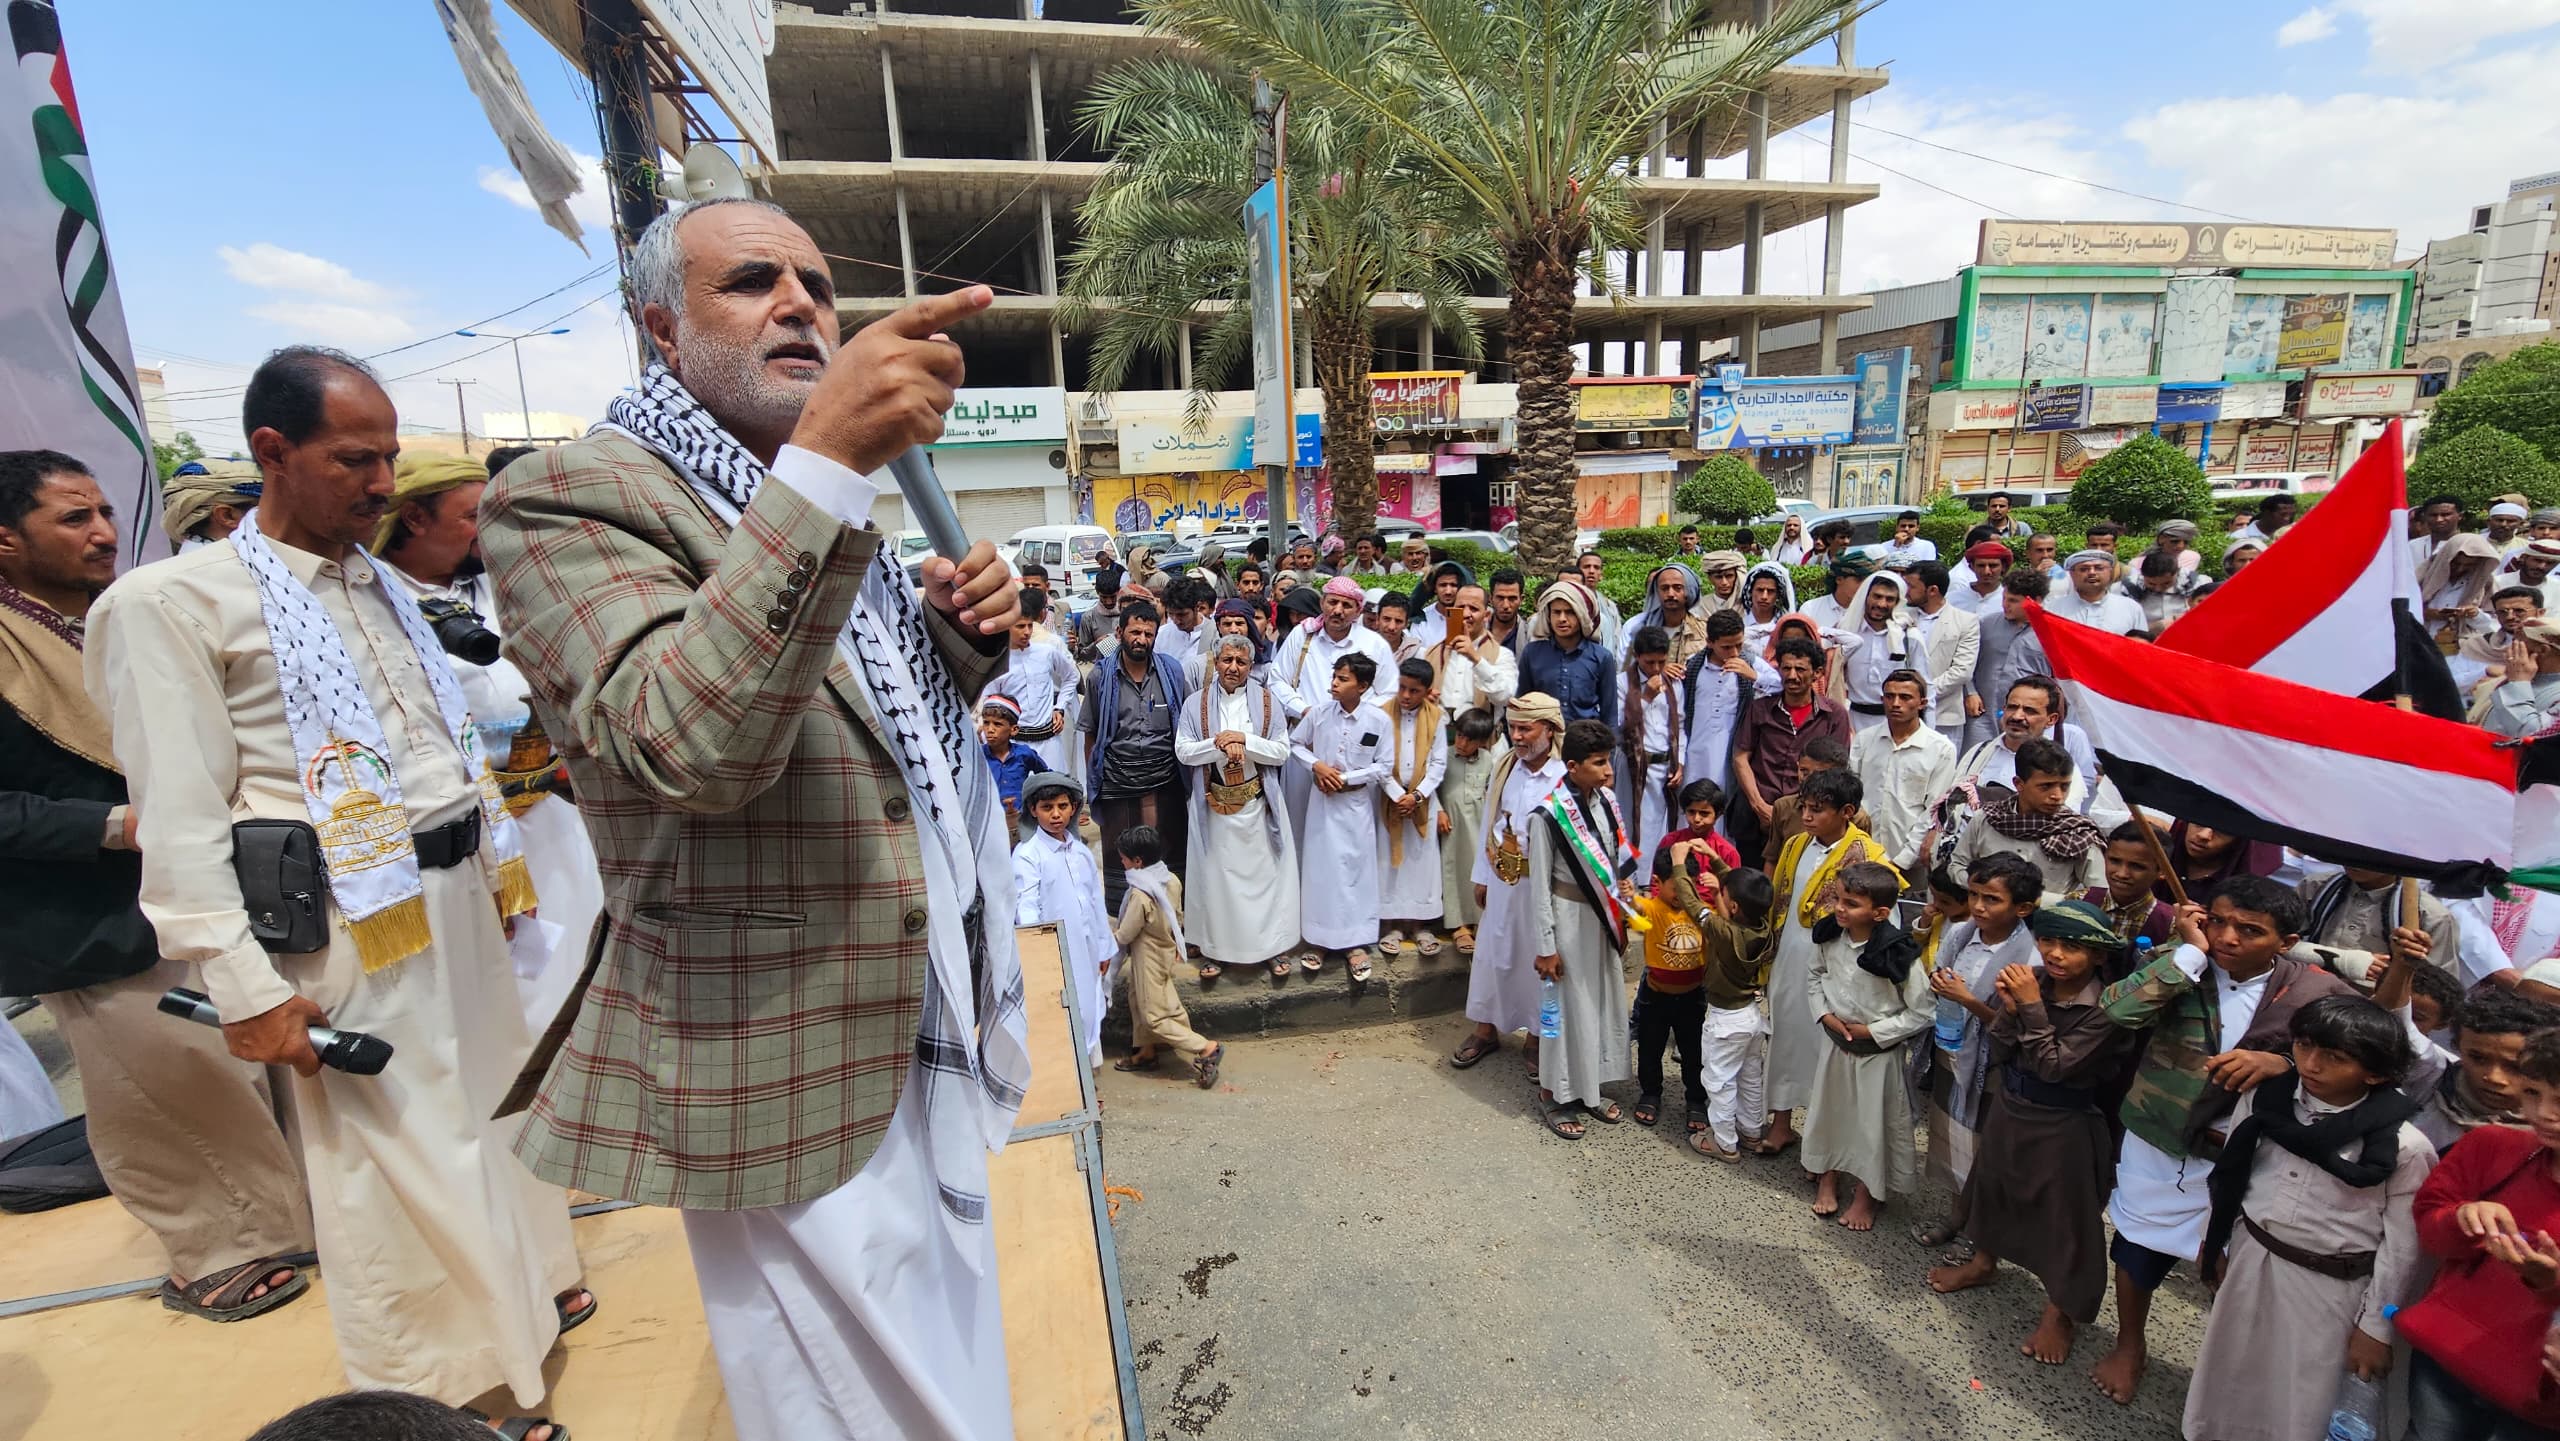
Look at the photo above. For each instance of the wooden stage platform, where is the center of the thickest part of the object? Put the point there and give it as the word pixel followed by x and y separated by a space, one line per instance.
pixel 87 1352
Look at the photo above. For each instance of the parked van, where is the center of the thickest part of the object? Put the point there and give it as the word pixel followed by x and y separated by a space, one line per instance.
pixel 1070 552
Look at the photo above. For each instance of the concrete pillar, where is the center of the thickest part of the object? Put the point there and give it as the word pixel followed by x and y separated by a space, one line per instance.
pixel 1426 347
pixel 1057 356
pixel 1835 216
pixel 1039 149
pixel 1754 217
pixel 898 152
pixel 1048 246
pixel 1185 354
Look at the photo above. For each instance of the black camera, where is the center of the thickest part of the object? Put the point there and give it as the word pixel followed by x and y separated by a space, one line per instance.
pixel 460 631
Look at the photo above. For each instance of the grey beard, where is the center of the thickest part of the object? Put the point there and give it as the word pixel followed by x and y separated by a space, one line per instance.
pixel 731 382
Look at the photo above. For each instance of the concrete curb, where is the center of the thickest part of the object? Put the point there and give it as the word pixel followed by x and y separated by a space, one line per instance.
pixel 1247 1002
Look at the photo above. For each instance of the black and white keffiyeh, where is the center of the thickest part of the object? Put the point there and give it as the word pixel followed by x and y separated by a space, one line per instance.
pixel 973 1038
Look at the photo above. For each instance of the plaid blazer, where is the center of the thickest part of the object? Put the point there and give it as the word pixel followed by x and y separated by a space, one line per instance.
pixel 751 992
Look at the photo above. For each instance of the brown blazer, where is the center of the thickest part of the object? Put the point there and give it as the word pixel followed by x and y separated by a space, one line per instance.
pixel 753 985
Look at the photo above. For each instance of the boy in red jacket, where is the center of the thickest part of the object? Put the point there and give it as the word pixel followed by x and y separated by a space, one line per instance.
pixel 2489 1214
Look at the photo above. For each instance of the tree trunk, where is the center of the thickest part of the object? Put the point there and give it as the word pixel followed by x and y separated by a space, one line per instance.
pixel 1344 349
pixel 1541 341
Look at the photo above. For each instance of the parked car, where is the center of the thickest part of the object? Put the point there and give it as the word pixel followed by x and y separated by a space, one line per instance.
pixel 1072 553
pixel 1488 539
pixel 1582 539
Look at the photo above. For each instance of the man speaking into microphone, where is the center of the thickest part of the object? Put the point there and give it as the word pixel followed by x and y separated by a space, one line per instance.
pixel 802 1021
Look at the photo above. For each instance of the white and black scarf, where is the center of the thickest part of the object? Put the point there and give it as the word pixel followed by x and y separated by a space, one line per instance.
pixel 972 1039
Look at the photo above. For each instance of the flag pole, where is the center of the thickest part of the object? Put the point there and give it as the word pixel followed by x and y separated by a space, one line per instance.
pixel 2400 700
pixel 2159 853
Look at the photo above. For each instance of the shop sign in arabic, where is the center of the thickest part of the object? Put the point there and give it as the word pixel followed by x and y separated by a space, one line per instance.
pixel 2089 242
pixel 1024 415
pixel 2381 393
pixel 1401 401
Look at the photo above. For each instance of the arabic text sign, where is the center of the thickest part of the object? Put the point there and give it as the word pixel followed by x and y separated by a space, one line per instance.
pixel 2190 404
pixel 1795 410
pixel 2314 333
pixel 1266 227
pixel 1883 386
pixel 2124 404
pixel 2057 407
pixel 1633 404
pixel 1410 400
pixel 725 43
pixel 1168 446
pixel 1023 415
pixel 2093 242
pixel 2391 392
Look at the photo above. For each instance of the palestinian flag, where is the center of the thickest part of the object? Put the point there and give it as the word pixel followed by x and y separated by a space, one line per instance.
pixel 2334 777
pixel 2318 607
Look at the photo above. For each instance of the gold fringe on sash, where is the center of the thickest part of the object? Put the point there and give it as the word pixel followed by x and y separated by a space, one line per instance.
pixel 392 935
pixel 515 888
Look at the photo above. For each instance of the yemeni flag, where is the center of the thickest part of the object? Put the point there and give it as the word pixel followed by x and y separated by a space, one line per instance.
pixel 2334 777
pixel 2333 603
pixel 66 369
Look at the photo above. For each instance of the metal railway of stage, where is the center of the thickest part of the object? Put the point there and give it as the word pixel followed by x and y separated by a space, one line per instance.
pixel 86 1349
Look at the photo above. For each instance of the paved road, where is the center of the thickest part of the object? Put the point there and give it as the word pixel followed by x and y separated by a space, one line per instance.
pixel 1350 1239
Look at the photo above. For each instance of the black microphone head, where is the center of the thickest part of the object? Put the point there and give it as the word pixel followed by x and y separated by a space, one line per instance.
pixel 180 1002
pixel 356 1053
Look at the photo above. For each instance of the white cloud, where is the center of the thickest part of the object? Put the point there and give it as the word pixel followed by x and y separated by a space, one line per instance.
pixel 2316 23
pixel 272 267
pixel 325 322
pixel 592 205
pixel 2415 161
pixel 2414 36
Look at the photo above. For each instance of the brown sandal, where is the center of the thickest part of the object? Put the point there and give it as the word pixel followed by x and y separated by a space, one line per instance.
pixel 224 1295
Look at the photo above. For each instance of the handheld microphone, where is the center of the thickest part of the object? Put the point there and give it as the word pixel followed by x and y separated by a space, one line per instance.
pixel 929 504
pixel 353 1052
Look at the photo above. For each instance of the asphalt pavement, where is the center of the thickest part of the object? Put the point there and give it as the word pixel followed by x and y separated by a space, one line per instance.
pixel 1350 1239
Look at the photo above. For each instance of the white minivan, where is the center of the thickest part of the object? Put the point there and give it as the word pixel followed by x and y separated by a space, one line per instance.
pixel 1069 552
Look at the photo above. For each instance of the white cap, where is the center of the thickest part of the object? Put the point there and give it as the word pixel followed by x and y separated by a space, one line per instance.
pixel 2508 510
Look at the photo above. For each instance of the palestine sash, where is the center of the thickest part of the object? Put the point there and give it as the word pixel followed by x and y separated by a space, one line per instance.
pixel 1598 859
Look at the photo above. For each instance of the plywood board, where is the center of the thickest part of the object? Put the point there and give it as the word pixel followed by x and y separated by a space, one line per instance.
pixel 1057 1323
pixel 74 1248
pixel 1055 1088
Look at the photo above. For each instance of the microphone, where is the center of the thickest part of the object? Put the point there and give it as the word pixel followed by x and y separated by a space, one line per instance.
pixel 929 504
pixel 353 1052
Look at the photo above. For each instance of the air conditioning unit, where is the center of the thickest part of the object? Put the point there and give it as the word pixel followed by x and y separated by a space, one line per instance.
pixel 1093 409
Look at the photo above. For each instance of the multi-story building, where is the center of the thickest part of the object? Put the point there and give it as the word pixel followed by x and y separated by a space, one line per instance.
pixel 2503 270
pixel 933 143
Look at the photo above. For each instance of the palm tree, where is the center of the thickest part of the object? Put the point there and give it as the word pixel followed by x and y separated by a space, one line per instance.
pixel 1163 249
pixel 1533 108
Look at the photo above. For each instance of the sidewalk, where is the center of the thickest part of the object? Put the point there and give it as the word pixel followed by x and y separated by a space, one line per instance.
pixel 1247 1002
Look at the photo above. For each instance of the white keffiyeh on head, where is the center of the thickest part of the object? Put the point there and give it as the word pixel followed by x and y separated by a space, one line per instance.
pixel 348 786
pixel 972 1040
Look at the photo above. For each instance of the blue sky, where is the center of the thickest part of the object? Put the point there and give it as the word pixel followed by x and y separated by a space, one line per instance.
pixel 315 169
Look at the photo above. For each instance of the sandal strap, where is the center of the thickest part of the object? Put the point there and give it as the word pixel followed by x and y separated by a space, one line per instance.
pixel 230 1287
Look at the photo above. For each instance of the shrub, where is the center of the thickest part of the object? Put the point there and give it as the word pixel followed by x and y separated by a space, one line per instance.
pixel 2142 483
pixel 2519 395
pixel 1662 540
pixel 2482 462
pixel 1725 488
pixel 1480 561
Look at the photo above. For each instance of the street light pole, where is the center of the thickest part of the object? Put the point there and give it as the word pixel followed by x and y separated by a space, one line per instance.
pixel 516 344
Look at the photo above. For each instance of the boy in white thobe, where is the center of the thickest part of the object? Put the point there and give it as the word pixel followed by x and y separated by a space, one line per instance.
pixel 1653 718
pixel 1408 811
pixel 1502 987
pixel 1056 880
pixel 1343 745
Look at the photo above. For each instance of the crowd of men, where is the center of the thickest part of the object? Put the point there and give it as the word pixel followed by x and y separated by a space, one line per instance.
pixel 711 862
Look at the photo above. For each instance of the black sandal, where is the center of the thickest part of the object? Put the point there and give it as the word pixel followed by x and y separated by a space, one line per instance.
pixel 1205 1070
pixel 517 1428
pixel 572 1320
pixel 224 1295
pixel 1648 1111
pixel 1609 1117
pixel 1473 1049
pixel 1557 1117
pixel 1138 1063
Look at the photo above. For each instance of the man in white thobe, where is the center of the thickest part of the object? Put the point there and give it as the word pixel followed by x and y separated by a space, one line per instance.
pixel 1902 767
pixel 1877 641
pixel 2093 599
pixel 1302 668
pixel 1721 682
pixel 451 1269
pixel 1474 672
pixel 1409 811
pixel 1240 905
pixel 1502 988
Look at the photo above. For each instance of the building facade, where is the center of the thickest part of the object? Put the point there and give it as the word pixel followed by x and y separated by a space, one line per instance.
pixel 2504 269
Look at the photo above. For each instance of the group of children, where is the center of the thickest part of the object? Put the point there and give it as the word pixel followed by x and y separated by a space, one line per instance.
pixel 2194 1074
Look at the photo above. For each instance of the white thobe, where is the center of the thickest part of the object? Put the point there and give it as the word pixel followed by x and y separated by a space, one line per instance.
pixel 443 1252
pixel 1338 898
pixel 2113 611
pixel 1502 986
pixel 1960 592
pixel 1824 611
pixel 1901 779
pixel 1302 670
pixel 1056 882
pixel 1653 807
pixel 1176 644
pixel 1874 654
pixel 1714 708
pixel 1489 681
pixel 2160 1199
pixel 1240 903
pixel 1043 680
pixel 1411 891
pixel 1795 1042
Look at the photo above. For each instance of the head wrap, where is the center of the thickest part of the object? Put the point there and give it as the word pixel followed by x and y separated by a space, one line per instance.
pixel 1652 614
pixel 1990 550
pixel 1431 580
pixel 1252 629
pixel 2077 923
pixel 1042 783
pixel 2436 573
pixel 2542 630
pixel 1301 601
pixel 2508 510
pixel 1857 566
pixel 1716 560
pixel 1538 706
pixel 189 497
pixel 2256 547
pixel 1332 546
pixel 2078 556
pixel 997 700
pixel 1778 632
pixel 2179 530
pixel 2539 549
pixel 1345 586
pixel 1586 608
pixel 2548 515
pixel 1786 586
pixel 1853 616
pixel 417 477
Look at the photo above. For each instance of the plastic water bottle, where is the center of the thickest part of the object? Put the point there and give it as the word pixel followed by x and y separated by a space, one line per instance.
pixel 2358 1414
pixel 1550 1011
pixel 2141 952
